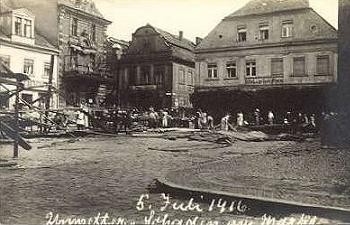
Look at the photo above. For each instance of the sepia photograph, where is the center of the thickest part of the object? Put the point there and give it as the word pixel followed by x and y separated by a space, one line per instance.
pixel 174 112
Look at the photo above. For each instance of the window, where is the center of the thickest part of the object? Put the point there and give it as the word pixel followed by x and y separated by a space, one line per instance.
pixel 277 66
pixel 299 66
pixel 132 74
pixel 18 26
pixel 4 102
pixel 145 75
pixel 159 72
pixel 27 28
pixel 28 67
pixel 182 78
pixel 251 69
pixel 264 32
pixel 93 32
pixel 75 27
pixel 190 77
pixel 41 102
pixel 231 70
pixel 5 60
pixel 322 67
pixel 27 98
pixel 287 28
pixel 242 34
pixel 47 69
pixel 212 71
pixel 73 58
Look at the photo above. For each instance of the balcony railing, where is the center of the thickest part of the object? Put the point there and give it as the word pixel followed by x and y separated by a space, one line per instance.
pixel 74 67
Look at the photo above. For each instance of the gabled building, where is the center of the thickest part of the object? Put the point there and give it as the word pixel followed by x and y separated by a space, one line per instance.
pixel 157 70
pixel 24 50
pixel 270 54
pixel 78 29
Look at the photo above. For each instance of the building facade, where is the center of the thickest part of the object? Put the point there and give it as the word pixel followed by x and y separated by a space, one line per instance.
pixel 157 70
pixel 78 29
pixel 270 54
pixel 23 50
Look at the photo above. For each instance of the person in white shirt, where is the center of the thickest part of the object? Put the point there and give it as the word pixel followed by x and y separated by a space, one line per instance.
pixel 270 117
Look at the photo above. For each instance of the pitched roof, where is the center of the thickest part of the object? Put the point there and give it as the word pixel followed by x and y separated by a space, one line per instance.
pixel 175 40
pixel 40 40
pixel 269 6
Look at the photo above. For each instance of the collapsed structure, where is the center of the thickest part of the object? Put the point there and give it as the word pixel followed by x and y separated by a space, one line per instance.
pixel 78 30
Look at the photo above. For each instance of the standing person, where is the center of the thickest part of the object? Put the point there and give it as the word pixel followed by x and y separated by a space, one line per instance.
pixel 299 123
pixel 82 119
pixel 152 118
pixel 257 116
pixel 240 119
pixel 165 118
pixel 289 118
pixel 210 120
pixel 313 121
pixel 225 122
pixel 270 117
pixel 204 121
pixel 198 119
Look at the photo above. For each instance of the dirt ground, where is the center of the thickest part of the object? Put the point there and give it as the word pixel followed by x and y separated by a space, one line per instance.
pixel 109 174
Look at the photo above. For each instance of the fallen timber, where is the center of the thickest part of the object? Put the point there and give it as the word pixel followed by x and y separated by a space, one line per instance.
pixel 10 132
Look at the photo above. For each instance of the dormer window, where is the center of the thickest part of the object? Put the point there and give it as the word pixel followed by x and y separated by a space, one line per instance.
pixel 27 28
pixel 23 27
pixel 18 26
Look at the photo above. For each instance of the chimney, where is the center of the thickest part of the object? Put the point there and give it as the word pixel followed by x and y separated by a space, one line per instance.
pixel 181 35
pixel 198 40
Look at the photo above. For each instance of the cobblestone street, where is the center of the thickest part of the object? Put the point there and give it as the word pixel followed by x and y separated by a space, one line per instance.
pixel 100 174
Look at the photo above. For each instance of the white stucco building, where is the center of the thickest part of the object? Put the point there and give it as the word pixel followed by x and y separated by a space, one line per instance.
pixel 24 50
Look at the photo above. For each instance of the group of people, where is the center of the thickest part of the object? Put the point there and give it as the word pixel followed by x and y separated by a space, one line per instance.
pixel 297 121
pixel 123 119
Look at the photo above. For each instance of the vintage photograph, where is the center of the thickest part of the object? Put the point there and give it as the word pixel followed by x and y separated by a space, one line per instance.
pixel 174 112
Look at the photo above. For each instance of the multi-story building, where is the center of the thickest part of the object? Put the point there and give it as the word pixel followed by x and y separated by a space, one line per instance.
pixel 270 54
pixel 78 29
pixel 23 50
pixel 157 70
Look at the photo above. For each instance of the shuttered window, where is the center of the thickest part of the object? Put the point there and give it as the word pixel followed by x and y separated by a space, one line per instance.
pixel 322 67
pixel 299 66
pixel 277 66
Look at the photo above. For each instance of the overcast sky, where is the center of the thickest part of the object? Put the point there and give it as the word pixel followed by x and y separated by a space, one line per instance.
pixel 196 18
